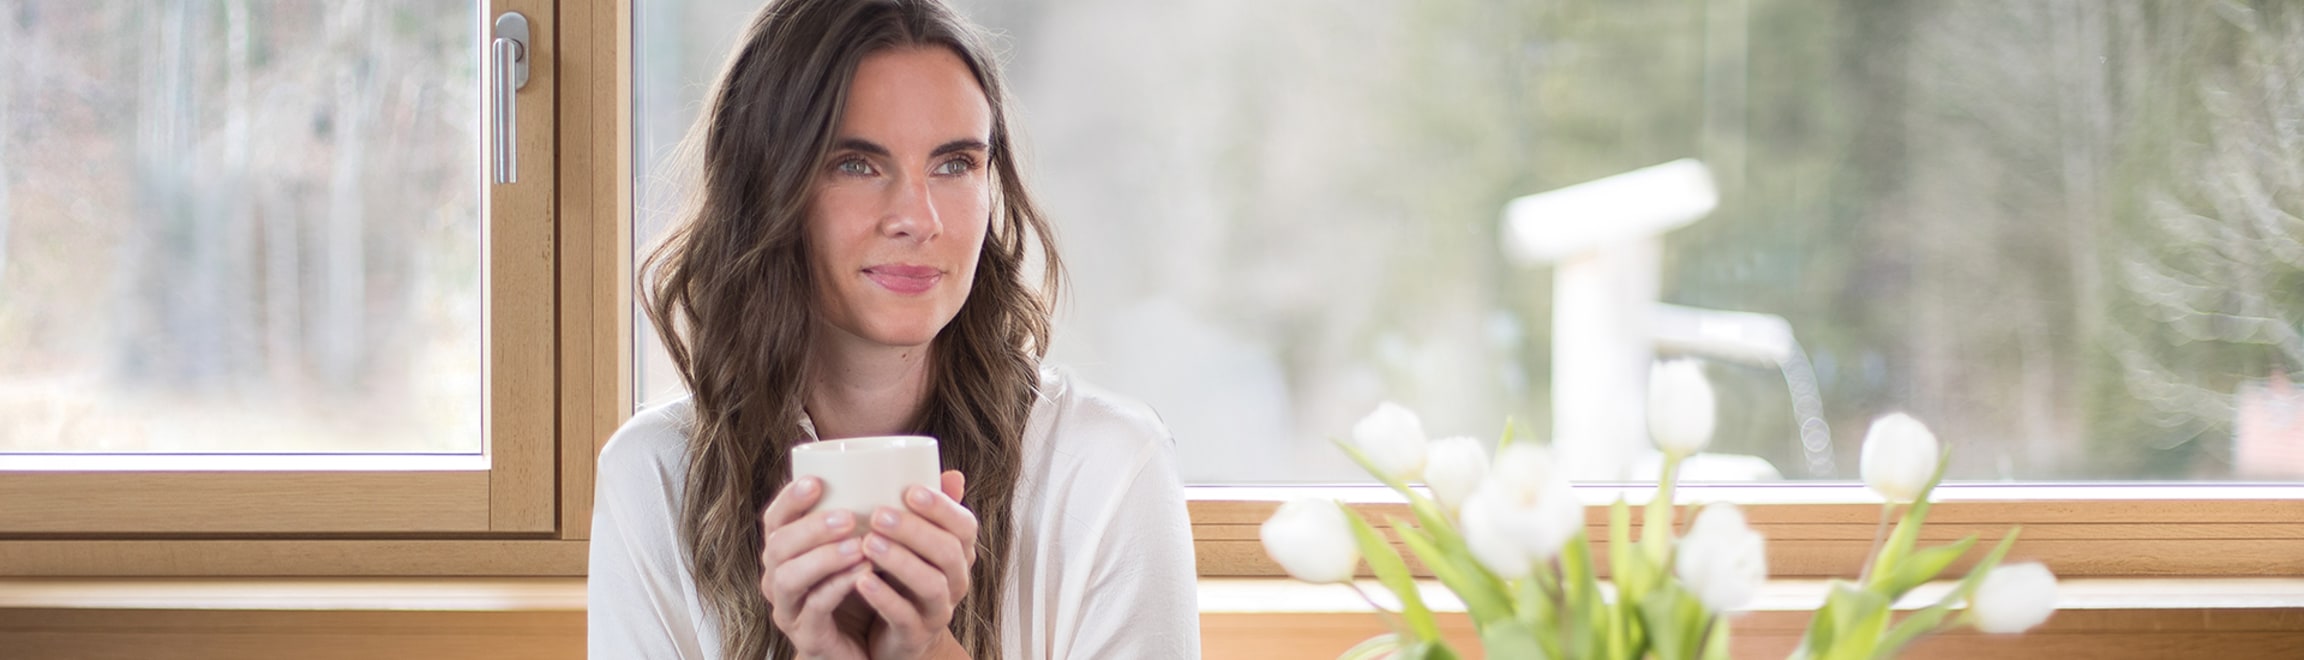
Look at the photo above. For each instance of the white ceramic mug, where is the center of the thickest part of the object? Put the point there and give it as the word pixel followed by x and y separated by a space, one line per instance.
pixel 862 474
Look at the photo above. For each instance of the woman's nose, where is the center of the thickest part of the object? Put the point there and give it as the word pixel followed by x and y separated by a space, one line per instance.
pixel 911 212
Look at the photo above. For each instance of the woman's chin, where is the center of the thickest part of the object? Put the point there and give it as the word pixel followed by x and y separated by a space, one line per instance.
pixel 905 335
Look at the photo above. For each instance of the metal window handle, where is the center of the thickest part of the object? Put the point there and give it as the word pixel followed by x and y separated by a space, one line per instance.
pixel 507 71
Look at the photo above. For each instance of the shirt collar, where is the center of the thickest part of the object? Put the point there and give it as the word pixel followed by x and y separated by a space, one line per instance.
pixel 808 427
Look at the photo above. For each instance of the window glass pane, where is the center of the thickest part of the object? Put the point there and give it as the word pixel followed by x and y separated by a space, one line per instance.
pixel 240 226
pixel 2065 235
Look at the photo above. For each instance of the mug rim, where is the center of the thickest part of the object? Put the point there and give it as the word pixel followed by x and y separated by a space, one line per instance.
pixel 876 443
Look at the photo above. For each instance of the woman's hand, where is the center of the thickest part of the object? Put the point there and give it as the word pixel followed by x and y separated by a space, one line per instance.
pixel 923 555
pixel 810 564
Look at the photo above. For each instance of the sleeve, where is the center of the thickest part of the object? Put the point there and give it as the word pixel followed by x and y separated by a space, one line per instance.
pixel 636 596
pixel 1143 595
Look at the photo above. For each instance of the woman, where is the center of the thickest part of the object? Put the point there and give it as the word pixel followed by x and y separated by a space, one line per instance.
pixel 853 265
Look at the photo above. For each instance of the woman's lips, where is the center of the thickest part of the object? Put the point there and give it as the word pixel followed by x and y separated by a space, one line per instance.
pixel 904 280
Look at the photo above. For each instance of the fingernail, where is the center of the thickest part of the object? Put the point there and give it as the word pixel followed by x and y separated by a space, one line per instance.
pixel 848 547
pixel 886 519
pixel 805 486
pixel 838 520
pixel 879 544
pixel 919 496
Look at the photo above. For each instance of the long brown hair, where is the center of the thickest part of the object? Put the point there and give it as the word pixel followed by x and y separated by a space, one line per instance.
pixel 734 301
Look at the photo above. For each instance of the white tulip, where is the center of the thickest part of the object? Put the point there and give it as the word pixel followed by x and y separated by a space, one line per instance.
pixel 1313 540
pixel 1521 514
pixel 1681 407
pixel 1453 467
pixel 1722 561
pixel 1392 439
pixel 1899 457
pixel 2013 598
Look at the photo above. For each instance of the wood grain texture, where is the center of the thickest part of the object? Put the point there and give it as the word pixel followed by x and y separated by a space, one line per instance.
pixel 2075 538
pixel 544 618
pixel 2104 634
pixel 241 557
pixel 253 635
pixel 595 304
pixel 241 502
pixel 520 342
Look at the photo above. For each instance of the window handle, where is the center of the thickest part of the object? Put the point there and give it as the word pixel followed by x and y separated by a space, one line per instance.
pixel 507 71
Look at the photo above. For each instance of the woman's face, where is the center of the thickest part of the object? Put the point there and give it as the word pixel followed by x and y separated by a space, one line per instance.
pixel 901 205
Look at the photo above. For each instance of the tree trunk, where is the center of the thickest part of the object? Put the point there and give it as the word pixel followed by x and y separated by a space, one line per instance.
pixel 343 286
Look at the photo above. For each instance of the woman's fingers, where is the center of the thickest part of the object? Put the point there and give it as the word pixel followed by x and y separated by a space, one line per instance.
pixel 805 534
pixel 927 515
pixel 901 615
pixel 813 626
pixel 934 592
pixel 788 581
pixel 955 484
pixel 791 502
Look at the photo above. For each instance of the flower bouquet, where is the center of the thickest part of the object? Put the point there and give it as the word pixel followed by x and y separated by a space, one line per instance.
pixel 1506 535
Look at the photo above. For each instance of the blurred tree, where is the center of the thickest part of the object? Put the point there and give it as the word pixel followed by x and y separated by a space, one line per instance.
pixel 256 215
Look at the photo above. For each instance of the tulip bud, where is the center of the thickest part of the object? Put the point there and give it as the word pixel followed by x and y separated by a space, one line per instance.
pixel 1393 440
pixel 2013 598
pixel 1521 514
pixel 1452 468
pixel 1900 457
pixel 1681 407
pixel 1722 561
pixel 1313 540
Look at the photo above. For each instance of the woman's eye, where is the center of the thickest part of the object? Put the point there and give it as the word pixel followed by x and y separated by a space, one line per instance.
pixel 956 166
pixel 853 166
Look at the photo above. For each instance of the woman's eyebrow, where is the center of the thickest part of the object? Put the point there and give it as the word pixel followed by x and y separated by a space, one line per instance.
pixel 963 144
pixel 862 145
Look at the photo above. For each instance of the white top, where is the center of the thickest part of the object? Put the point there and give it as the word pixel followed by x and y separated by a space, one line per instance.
pixel 1101 566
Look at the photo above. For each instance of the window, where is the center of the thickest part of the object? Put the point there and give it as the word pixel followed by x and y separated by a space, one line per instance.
pixel 1260 146
pixel 2059 234
pixel 266 291
pixel 1278 215
pixel 251 229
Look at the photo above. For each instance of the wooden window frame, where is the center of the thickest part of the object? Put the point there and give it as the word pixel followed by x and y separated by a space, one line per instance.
pixel 1814 530
pixel 550 263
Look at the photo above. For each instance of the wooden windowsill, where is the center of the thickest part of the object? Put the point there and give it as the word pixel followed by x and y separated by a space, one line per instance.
pixel 281 594
pixel 1217 595
pixel 1262 618
pixel 1278 595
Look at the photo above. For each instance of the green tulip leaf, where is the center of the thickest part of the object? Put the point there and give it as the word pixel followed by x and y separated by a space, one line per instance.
pixel 1861 625
pixel 1431 650
pixel 1586 607
pixel 1483 598
pixel 1967 586
pixel 1925 621
pixel 1674 620
pixel 1624 562
pixel 1373 648
pixel 1920 567
pixel 1512 639
pixel 1393 572
pixel 1907 531
pixel 1716 645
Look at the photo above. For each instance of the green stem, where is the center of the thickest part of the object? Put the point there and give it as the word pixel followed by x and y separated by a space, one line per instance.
pixel 1397 624
pixel 1879 536
pixel 1656 530
pixel 1705 641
